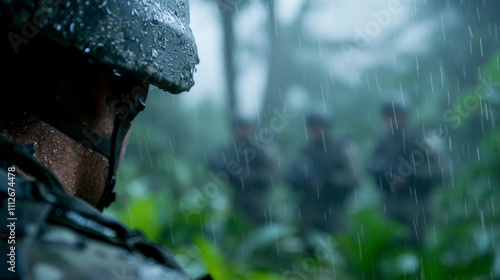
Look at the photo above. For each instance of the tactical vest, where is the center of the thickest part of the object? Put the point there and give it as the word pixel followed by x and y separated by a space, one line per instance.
pixel 46 233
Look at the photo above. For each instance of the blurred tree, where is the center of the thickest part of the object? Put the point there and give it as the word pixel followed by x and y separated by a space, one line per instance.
pixel 227 10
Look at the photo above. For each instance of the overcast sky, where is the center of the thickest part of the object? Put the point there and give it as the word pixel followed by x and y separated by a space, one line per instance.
pixel 385 28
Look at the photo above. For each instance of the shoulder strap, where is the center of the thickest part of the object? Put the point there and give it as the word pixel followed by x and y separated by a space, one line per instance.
pixel 17 154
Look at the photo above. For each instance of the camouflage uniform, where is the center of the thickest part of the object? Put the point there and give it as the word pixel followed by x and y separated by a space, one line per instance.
pixel 250 166
pixel 323 175
pixel 407 167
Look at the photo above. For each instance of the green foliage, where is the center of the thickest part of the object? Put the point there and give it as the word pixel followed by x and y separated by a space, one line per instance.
pixel 144 213
pixel 492 69
pixel 221 268
pixel 213 260
pixel 367 240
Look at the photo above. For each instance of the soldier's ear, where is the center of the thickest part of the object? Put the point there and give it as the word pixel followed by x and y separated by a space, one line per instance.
pixel 96 99
pixel 101 96
pixel 86 97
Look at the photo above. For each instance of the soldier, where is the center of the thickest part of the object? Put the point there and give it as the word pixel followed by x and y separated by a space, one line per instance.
pixel 407 166
pixel 76 73
pixel 323 175
pixel 250 165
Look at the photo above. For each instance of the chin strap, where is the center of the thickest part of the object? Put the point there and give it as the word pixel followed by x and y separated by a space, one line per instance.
pixel 110 148
pixel 123 121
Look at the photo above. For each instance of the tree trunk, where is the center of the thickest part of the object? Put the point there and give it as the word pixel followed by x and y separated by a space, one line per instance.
pixel 272 96
pixel 227 15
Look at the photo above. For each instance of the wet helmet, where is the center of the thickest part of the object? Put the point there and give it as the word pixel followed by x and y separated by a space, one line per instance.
pixel 316 119
pixel 148 40
pixel 392 106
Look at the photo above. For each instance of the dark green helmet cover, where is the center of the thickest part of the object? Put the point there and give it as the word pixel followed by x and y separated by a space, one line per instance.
pixel 146 39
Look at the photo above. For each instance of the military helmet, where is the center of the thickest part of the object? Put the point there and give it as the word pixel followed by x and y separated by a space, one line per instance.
pixel 315 119
pixel 392 106
pixel 148 40
pixel 239 120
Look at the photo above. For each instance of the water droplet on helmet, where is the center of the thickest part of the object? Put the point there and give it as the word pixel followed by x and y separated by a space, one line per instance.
pixel 154 53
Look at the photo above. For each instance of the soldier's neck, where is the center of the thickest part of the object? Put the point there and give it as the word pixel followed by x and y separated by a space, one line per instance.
pixel 68 160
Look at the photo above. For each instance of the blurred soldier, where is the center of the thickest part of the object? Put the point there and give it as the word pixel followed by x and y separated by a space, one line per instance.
pixel 323 175
pixel 250 164
pixel 407 166
pixel 75 74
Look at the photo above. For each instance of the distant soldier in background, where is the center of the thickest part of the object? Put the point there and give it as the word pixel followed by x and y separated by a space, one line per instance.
pixel 323 175
pixel 251 167
pixel 407 165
